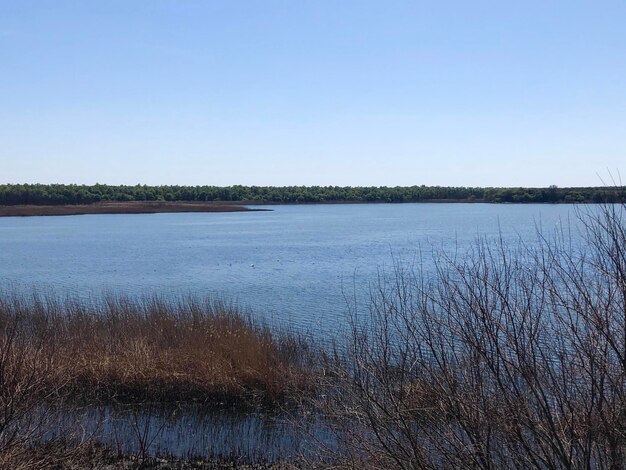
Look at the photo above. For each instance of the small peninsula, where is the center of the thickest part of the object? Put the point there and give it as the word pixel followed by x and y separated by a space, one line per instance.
pixel 128 207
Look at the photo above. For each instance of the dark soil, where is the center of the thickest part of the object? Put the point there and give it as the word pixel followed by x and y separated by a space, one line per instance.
pixel 141 207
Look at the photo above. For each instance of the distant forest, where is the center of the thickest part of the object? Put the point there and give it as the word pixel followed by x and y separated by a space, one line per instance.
pixel 56 194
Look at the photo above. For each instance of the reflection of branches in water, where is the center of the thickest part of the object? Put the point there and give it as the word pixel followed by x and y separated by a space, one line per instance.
pixel 146 429
pixel 151 430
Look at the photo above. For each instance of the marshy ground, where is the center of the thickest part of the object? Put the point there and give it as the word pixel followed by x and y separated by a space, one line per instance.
pixel 63 359
pixel 130 207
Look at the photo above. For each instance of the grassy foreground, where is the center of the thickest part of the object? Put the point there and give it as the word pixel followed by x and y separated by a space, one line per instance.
pixel 60 356
pixel 145 350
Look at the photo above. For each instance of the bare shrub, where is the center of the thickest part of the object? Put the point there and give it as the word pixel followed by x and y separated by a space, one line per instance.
pixel 511 356
pixel 31 384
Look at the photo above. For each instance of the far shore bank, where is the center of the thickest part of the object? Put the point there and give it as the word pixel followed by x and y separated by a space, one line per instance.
pixel 132 207
pixel 154 207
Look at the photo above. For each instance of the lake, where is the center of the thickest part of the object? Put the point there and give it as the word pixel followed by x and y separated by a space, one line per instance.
pixel 293 265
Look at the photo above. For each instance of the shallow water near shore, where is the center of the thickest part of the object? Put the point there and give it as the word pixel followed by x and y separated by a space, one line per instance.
pixel 192 432
pixel 295 265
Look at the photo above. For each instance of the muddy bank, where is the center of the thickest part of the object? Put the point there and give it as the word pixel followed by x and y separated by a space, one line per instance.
pixel 142 207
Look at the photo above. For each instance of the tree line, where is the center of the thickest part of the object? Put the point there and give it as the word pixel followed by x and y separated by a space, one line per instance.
pixel 58 194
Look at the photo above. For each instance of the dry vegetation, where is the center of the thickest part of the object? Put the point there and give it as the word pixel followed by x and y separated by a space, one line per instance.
pixel 149 350
pixel 58 355
pixel 509 357
pixel 128 207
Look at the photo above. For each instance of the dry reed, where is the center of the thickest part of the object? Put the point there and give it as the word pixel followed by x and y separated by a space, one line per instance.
pixel 152 349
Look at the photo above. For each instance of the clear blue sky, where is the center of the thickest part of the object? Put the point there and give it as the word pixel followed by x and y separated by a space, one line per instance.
pixel 472 93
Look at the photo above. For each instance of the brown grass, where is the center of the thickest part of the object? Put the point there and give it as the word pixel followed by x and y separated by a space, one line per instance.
pixel 132 207
pixel 153 349
pixel 60 354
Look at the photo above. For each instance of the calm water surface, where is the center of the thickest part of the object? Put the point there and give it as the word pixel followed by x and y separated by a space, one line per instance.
pixel 293 264
pixel 190 433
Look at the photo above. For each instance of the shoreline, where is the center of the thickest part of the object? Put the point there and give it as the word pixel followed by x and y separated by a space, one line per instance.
pixel 131 207
pixel 154 207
